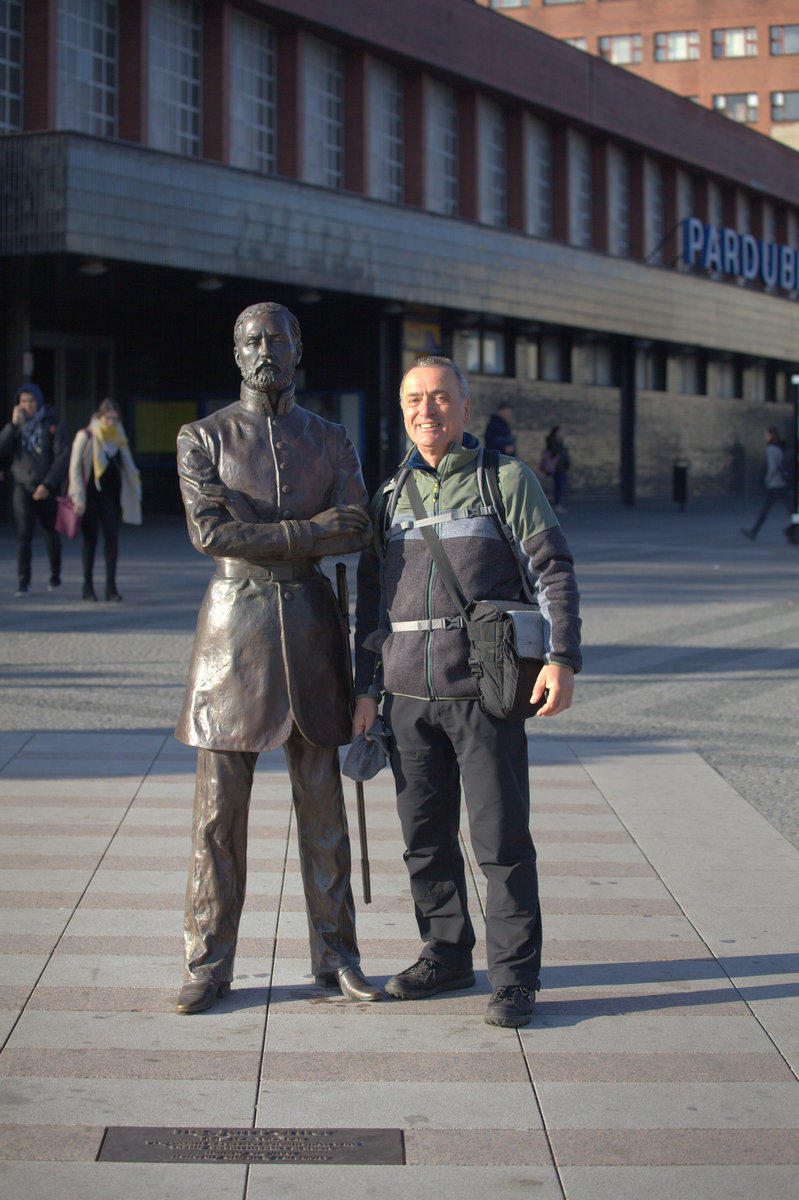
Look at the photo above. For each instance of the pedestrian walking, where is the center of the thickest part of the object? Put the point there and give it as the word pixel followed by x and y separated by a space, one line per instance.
pixel 775 481
pixel 104 487
pixel 37 445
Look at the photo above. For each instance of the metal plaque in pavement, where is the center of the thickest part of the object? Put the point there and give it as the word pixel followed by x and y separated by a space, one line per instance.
pixel 131 1143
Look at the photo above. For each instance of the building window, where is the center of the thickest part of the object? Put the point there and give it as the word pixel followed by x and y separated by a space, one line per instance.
pixel 738 106
pixel 485 350
pixel 785 106
pixel 619 201
pixel 757 383
pixel 554 358
pixel 685 195
pixel 579 190
pixel 493 164
pixel 538 177
pixel 599 364
pixel 734 43
pixel 563 1
pixel 386 164
pixel 442 149
pixel 653 211
pixel 743 213
pixel 87 66
pixel 510 3
pixel 762 380
pixel 577 43
pixel 323 157
pixel 650 369
pixel 253 108
pixel 10 66
pixel 175 74
pixel 621 48
pixel 785 39
pixel 691 374
pixel 768 219
pixel 676 47
pixel 730 378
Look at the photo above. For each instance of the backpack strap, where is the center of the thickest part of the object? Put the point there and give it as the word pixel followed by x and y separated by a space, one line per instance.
pixel 488 483
pixel 389 501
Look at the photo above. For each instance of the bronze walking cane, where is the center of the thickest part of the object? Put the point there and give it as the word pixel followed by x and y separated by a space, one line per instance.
pixel 344 605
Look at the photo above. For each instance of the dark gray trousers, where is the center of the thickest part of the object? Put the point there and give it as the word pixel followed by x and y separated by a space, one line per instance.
pixel 439 747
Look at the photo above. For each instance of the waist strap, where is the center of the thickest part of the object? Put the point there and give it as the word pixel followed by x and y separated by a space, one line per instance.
pixel 435 623
pixel 275 573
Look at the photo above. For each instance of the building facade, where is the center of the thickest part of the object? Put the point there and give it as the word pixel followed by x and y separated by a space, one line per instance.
pixel 608 256
pixel 739 58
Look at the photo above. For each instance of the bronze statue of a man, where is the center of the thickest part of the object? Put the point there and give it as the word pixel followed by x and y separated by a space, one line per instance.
pixel 269 490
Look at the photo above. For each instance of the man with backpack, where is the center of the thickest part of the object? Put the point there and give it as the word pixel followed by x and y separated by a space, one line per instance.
pixel 412 645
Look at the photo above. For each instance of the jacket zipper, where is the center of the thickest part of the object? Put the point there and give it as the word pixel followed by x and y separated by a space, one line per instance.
pixel 430 579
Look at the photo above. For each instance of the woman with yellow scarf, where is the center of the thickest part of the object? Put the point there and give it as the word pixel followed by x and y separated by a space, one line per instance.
pixel 103 486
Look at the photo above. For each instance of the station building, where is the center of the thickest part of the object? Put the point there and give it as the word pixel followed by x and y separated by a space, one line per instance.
pixel 408 178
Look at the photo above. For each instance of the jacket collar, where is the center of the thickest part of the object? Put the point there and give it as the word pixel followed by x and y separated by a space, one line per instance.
pixel 454 457
pixel 259 402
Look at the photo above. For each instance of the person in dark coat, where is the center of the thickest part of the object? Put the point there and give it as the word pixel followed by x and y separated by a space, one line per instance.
pixel 36 442
pixel 269 489
pixel 498 434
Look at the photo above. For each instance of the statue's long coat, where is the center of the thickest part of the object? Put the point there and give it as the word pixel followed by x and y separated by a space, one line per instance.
pixel 266 653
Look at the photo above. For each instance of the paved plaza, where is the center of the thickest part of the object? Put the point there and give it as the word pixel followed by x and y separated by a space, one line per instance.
pixel 664 1052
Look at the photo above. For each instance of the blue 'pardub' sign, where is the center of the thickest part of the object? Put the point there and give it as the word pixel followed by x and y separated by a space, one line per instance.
pixel 739 254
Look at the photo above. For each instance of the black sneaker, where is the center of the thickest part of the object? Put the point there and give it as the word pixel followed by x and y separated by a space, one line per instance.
pixel 427 977
pixel 510 1006
pixel 53 584
pixel 22 590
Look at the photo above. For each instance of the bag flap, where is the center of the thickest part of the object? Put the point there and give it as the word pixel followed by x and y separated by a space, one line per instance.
pixel 528 624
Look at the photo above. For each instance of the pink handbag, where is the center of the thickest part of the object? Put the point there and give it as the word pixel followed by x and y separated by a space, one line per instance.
pixel 67 521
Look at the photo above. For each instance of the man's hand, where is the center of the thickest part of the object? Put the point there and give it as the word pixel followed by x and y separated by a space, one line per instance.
pixel 80 509
pixel 41 493
pixel 365 715
pixel 18 416
pixel 344 518
pixel 558 682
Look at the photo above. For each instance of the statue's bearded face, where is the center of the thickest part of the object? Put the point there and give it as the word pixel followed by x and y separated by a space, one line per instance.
pixel 266 352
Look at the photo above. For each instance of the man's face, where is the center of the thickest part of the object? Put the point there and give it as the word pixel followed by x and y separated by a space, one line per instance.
pixel 266 353
pixel 28 404
pixel 435 412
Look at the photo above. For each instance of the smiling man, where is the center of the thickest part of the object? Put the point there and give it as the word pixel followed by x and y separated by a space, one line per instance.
pixel 269 489
pixel 410 645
